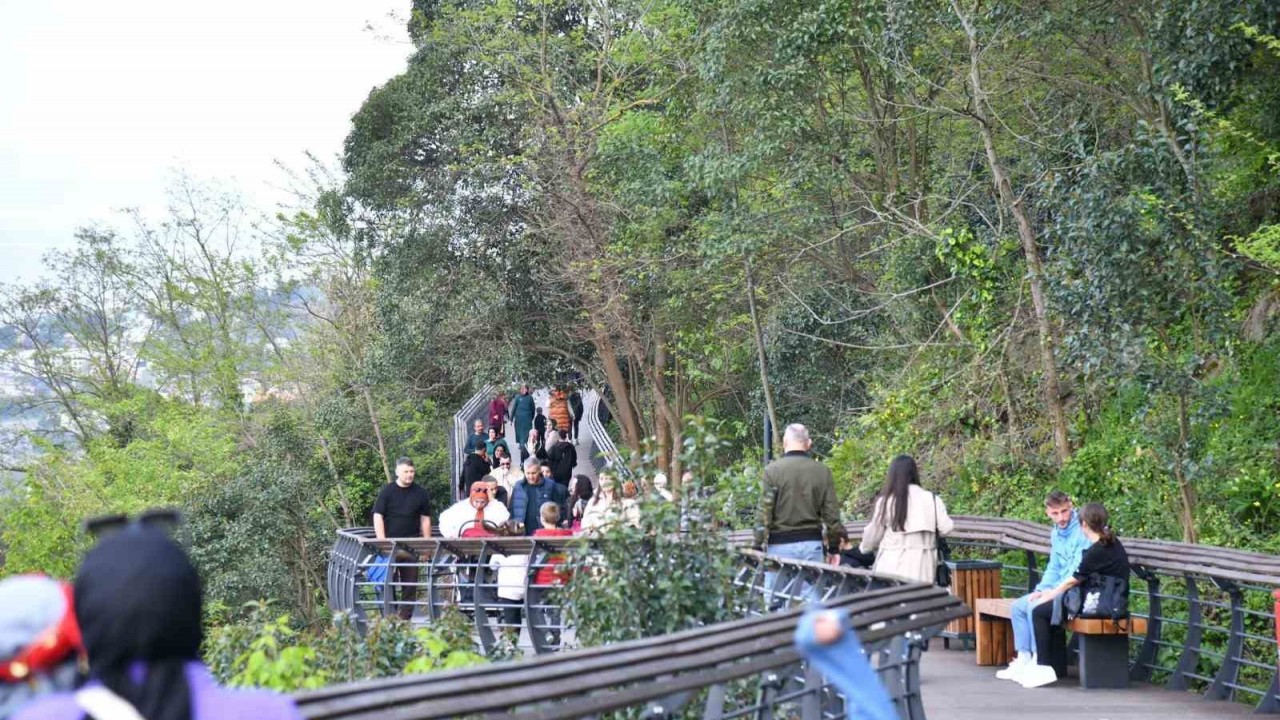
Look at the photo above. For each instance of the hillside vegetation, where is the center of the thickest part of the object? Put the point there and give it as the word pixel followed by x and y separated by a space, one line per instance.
pixel 1034 244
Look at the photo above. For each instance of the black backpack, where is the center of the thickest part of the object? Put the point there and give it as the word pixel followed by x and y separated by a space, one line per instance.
pixel 1099 596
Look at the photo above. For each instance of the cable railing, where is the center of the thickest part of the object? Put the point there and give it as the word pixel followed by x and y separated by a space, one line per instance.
pixel 1211 614
pixel 746 668
pixel 606 453
pixel 473 409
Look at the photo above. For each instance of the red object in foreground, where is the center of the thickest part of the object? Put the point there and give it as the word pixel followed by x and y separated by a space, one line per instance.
pixel 1276 595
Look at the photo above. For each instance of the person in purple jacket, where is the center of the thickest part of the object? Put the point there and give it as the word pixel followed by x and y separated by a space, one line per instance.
pixel 139 602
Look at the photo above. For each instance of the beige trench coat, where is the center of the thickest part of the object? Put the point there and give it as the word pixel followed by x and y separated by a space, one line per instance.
pixel 912 553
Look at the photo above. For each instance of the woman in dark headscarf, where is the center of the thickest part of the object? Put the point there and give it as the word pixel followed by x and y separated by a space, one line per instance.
pixel 138 600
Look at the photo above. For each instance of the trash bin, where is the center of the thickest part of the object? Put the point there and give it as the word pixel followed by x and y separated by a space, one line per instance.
pixel 970 580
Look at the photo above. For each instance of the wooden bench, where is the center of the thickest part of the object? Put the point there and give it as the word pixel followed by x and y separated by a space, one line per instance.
pixel 1104 644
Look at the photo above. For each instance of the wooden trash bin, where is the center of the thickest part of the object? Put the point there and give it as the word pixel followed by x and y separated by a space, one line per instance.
pixel 970 580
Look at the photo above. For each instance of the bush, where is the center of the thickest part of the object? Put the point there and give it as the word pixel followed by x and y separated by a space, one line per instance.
pixel 652 580
pixel 266 650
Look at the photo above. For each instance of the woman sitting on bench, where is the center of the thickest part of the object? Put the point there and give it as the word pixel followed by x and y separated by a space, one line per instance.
pixel 1106 557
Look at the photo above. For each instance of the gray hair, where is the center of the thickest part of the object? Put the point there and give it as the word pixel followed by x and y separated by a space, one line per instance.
pixel 796 433
pixel 532 462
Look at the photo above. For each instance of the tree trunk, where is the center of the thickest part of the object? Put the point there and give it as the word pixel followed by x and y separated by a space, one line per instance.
pixel 760 354
pixel 623 409
pixel 1035 271
pixel 662 428
pixel 1186 492
pixel 377 431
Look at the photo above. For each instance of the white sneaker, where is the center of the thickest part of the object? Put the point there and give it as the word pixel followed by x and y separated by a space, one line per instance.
pixel 1010 672
pixel 1035 676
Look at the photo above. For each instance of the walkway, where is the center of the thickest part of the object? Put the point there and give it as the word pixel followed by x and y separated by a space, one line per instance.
pixel 955 688
pixel 585 446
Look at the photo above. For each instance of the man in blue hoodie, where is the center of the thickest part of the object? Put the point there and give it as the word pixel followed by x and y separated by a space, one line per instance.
pixel 1067 544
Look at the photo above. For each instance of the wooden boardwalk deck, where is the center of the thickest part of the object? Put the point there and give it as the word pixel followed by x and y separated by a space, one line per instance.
pixel 955 688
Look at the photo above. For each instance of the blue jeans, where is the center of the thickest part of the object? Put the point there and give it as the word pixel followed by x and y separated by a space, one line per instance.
pixel 808 550
pixel 1024 634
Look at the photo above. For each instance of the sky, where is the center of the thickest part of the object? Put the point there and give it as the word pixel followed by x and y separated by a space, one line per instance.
pixel 102 103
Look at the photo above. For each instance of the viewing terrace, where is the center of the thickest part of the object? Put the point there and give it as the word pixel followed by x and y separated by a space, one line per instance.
pixel 1203 642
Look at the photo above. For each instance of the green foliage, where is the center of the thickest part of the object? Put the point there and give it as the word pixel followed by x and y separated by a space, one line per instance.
pixel 1262 246
pixel 650 580
pixel 265 650
pixel 177 452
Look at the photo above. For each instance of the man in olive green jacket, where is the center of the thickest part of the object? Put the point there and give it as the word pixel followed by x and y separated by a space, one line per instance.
pixel 798 507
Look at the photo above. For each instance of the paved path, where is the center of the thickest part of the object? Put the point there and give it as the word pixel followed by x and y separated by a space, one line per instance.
pixel 955 688
pixel 584 446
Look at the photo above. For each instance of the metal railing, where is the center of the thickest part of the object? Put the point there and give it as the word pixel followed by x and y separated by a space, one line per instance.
pixel 1211 623
pixel 473 409
pixel 606 453
pixel 739 669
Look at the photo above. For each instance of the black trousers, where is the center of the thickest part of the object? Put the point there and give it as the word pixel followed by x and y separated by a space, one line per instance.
pixel 408 590
pixel 1051 640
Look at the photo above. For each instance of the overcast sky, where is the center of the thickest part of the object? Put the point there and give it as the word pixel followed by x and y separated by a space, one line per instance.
pixel 101 101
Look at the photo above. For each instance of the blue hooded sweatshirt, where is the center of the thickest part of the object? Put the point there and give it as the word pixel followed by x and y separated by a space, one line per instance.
pixel 1066 547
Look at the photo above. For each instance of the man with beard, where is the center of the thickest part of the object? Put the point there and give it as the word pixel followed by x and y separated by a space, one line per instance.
pixel 472 511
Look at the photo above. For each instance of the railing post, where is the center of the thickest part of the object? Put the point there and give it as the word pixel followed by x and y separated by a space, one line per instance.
pixel 1276 594
pixel 1270 702
pixel 1141 670
pixel 1033 576
pixel 482 595
pixel 392 583
pixel 1227 675
pixel 1191 645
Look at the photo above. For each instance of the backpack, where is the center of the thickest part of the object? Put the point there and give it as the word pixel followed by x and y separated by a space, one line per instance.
pixel 1099 596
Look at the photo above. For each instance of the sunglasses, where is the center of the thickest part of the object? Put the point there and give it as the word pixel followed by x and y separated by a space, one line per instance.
pixel 165 520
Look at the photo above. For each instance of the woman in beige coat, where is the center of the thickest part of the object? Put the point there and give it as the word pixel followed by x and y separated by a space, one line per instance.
pixel 905 524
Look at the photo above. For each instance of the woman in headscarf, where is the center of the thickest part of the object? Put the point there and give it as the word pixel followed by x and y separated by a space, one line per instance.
pixel 521 412
pixel 533 447
pixel 498 413
pixel 139 603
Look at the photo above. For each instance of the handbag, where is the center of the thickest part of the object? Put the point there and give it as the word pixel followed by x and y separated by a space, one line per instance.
pixel 1099 596
pixel 942 573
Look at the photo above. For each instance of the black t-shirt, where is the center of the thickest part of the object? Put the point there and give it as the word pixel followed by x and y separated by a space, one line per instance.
pixel 1104 560
pixel 402 508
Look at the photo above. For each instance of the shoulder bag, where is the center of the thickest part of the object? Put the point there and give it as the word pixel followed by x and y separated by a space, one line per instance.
pixel 942 573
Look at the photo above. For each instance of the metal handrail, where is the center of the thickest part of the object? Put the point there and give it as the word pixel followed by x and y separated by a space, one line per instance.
pixel 1210 620
pixel 742 668
pixel 606 454
pixel 470 411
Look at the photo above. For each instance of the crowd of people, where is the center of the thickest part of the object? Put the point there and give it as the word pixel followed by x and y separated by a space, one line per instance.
pixel 499 495
pixel 123 641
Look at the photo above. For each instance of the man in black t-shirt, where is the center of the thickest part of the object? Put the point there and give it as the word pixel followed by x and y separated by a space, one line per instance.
pixel 403 510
